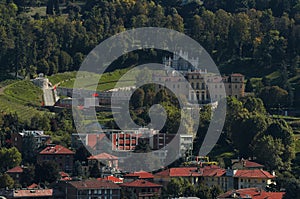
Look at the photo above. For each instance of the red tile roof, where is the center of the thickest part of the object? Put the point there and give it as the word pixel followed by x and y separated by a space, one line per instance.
pixel 247 164
pixel 94 184
pixel 16 169
pixel 57 149
pixel 140 183
pixel 250 164
pixel 213 172
pixel 255 193
pixel 33 186
pixel 103 156
pixel 140 175
pixel 179 172
pixel 237 75
pixel 112 178
pixel 64 176
pixel 33 193
pixel 256 173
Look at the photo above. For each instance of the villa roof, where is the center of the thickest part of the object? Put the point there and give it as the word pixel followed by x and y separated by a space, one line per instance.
pixel 179 172
pixel 112 178
pixel 140 174
pixel 94 184
pixel 254 193
pixel 17 169
pixel 103 156
pixel 32 193
pixel 57 149
pixel 256 173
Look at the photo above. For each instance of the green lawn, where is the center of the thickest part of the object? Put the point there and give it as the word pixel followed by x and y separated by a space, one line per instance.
pixel 106 82
pixel 54 79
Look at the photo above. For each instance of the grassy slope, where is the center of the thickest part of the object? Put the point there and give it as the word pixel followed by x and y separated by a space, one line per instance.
pixel 21 97
pixel 107 81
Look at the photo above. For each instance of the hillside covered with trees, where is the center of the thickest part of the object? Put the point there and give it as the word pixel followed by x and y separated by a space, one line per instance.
pixel 253 37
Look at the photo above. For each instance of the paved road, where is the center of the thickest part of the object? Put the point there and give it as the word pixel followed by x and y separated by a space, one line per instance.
pixel 48 97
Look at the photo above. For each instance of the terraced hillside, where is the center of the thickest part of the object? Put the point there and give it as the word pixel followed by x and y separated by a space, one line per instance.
pixel 21 97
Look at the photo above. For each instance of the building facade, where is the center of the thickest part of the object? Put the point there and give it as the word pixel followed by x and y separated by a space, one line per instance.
pixel 92 189
pixel 141 189
pixel 184 77
pixel 59 154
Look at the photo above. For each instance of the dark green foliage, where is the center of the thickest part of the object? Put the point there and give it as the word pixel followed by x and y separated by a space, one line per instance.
pixel 78 171
pixel 274 97
pixel 182 187
pixel 29 149
pixel 253 104
pixel 9 158
pixel 137 99
pixel 6 181
pixel 249 86
pixel 28 175
pixel 82 154
pixel 95 171
pixel 47 171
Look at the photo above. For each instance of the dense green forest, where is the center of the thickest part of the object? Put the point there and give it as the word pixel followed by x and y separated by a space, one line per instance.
pixel 254 37
pixel 256 33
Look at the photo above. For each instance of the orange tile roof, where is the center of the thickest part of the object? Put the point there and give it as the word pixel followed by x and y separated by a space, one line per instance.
pixel 33 193
pixel 32 186
pixel 256 173
pixel 112 178
pixel 179 172
pixel 94 184
pixel 103 156
pixel 140 183
pixel 16 169
pixel 247 164
pixel 140 174
pixel 250 164
pixel 64 176
pixel 57 149
pixel 213 172
pixel 237 74
pixel 255 193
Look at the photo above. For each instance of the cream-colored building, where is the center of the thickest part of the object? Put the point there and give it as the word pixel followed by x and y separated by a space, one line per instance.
pixel 202 87
pixel 198 85
pixel 253 178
